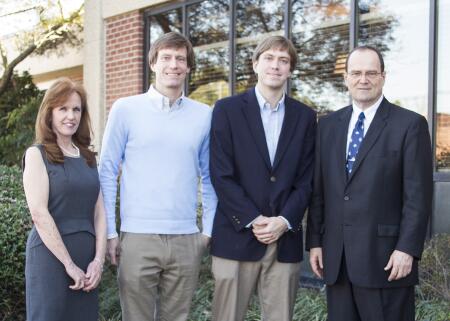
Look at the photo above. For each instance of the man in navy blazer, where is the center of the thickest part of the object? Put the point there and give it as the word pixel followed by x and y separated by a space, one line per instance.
pixel 371 201
pixel 261 164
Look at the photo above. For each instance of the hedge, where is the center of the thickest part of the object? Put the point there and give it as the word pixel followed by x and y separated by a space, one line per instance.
pixel 433 295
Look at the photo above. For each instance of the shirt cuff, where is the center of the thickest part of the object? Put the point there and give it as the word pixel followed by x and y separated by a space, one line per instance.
pixel 249 225
pixel 286 221
pixel 112 236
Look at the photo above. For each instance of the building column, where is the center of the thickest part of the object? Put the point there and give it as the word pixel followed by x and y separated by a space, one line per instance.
pixel 93 67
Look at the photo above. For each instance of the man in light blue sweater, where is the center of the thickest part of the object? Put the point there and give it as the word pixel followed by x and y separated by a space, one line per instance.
pixel 159 141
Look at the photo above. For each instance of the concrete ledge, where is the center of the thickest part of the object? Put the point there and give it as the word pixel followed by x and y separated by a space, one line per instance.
pixel 113 8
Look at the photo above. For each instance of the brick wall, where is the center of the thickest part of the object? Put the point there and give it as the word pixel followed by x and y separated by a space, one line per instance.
pixel 124 56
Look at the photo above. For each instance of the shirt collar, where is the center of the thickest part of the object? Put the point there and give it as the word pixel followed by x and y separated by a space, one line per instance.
pixel 262 102
pixel 164 102
pixel 369 112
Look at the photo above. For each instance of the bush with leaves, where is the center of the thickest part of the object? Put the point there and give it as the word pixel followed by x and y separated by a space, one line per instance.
pixel 432 300
pixel 15 223
pixel 18 109
pixel 434 291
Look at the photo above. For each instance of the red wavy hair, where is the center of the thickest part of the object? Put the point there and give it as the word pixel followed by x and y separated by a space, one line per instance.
pixel 58 93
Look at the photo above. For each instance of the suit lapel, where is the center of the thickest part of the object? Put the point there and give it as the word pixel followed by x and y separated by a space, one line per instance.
pixel 341 132
pixel 287 130
pixel 375 129
pixel 253 116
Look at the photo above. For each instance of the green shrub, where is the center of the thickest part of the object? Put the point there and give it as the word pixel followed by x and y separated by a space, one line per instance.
pixel 432 302
pixel 435 269
pixel 15 222
pixel 433 294
pixel 109 295
pixel 18 109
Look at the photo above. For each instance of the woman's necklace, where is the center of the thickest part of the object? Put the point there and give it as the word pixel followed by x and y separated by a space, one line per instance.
pixel 68 153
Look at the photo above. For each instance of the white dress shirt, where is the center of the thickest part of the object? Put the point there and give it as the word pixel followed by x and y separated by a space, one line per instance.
pixel 369 114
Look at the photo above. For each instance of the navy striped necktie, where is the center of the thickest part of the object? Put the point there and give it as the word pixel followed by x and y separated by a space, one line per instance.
pixel 355 142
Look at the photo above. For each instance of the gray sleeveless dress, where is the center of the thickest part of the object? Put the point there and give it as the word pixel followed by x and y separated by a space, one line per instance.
pixel 73 192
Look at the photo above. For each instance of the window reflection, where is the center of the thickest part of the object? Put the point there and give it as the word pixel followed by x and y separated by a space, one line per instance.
pixel 320 33
pixel 163 23
pixel 208 25
pixel 255 20
pixel 399 29
pixel 443 89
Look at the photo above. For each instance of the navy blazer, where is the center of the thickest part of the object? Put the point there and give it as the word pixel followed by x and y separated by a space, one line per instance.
pixel 246 183
pixel 382 206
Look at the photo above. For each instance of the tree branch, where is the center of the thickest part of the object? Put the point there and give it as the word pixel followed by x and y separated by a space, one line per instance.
pixel 46 38
pixel 4 57
pixel 9 69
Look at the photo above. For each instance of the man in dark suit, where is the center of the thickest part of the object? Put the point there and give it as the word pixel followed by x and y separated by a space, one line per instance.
pixel 261 167
pixel 371 200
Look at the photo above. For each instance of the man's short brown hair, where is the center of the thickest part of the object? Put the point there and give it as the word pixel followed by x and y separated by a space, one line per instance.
pixel 276 42
pixel 171 40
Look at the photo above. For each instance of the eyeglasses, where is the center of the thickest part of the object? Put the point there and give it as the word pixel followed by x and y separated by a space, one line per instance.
pixel 369 74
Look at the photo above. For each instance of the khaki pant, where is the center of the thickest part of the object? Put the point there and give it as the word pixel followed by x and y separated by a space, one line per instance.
pixel 235 282
pixel 158 275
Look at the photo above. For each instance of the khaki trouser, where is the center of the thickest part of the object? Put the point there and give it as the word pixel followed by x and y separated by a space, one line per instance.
pixel 235 282
pixel 158 275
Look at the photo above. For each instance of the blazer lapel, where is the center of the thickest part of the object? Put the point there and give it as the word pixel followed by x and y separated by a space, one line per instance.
pixel 375 129
pixel 287 130
pixel 341 143
pixel 253 116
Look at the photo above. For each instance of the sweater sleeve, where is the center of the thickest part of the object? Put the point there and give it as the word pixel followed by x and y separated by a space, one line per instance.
pixel 112 153
pixel 209 198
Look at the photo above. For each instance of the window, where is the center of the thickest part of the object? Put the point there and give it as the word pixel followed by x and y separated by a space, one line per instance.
pixel 255 20
pixel 443 89
pixel 160 24
pixel 399 29
pixel 320 33
pixel 208 82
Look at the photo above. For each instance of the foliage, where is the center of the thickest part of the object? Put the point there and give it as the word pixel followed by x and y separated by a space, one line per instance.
pixel 55 27
pixel 310 305
pixel 108 295
pixel 18 109
pixel 435 272
pixel 442 156
pixel 432 310
pixel 432 303
pixel 15 223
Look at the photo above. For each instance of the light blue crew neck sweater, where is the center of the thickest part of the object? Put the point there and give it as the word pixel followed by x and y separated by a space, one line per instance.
pixel 164 153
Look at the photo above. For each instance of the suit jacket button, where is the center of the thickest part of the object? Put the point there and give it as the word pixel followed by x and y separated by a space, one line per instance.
pixel 273 179
pixel 346 198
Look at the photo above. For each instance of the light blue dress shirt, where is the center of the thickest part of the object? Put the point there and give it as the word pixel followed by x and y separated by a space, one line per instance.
pixel 272 119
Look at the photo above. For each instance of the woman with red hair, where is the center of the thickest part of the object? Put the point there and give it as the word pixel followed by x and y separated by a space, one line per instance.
pixel 66 247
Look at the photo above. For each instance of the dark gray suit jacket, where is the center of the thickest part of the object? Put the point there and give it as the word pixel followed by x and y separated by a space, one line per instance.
pixel 382 206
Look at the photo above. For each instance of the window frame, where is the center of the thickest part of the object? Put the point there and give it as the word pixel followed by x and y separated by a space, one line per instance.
pixel 439 176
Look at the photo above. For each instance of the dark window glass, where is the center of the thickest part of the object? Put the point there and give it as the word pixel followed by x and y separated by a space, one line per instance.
pixel 208 25
pixel 255 20
pixel 443 89
pixel 163 23
pixel 399 29
pixel 320 33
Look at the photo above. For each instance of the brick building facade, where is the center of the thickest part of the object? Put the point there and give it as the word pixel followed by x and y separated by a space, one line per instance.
pixel 123 56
